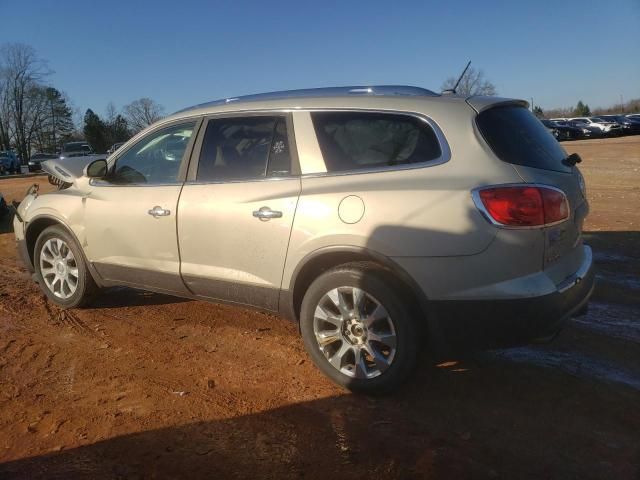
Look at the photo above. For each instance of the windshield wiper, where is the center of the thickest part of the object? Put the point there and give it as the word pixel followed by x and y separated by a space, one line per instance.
pixel 572 160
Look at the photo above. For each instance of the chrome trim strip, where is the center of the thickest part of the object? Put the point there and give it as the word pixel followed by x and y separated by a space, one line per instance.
pixel 577 277
pixel 445 150
pixel 245 180
pixel 475 196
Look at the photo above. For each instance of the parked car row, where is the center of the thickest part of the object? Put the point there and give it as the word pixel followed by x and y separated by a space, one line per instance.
pixel 592 127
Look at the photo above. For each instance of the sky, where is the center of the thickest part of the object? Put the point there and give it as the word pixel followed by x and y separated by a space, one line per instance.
pixel 182 53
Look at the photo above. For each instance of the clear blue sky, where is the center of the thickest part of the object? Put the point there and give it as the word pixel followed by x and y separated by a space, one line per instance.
pixel 185 52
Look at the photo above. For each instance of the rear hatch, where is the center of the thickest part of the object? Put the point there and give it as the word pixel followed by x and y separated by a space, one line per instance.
pixel 517 137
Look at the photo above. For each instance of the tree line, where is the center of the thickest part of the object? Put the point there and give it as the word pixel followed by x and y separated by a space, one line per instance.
pixel 583 110
pixel 37 117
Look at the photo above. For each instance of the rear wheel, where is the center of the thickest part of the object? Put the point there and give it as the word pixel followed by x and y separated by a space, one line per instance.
pixel 358 330
pixel 62 270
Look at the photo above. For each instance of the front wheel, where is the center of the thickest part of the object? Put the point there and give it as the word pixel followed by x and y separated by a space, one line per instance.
pixel 62 269
pixel 358 329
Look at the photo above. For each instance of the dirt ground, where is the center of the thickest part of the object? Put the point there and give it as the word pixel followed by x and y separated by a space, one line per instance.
pixel 149 386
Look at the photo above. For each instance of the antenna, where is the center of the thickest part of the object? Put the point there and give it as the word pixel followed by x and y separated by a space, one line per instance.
pixel 453 90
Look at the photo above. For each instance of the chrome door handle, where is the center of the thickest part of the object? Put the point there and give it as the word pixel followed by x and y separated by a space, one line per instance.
pixel 265 213
pixel 158 211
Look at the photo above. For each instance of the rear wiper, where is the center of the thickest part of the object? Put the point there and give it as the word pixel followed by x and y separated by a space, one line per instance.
pixel 572 159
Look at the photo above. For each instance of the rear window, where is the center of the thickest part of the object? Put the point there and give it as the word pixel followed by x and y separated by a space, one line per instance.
pixel 516 136
pixel 365 140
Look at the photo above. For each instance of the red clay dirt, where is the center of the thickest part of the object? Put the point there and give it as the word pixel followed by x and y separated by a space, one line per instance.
pixel 143 385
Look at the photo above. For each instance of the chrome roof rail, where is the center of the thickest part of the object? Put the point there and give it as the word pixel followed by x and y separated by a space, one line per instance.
pixel 373 90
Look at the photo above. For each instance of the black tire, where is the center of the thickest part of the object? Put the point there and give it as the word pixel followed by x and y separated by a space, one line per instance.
pixel 381 286
pixel 86 288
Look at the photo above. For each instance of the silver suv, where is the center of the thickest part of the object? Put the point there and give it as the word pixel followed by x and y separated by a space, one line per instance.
pixel 385 220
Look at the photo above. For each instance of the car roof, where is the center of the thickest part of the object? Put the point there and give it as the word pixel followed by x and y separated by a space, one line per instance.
pixel 327 92
pixel 377 97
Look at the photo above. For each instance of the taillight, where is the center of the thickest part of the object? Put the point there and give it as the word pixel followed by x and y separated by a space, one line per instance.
pixel 523 205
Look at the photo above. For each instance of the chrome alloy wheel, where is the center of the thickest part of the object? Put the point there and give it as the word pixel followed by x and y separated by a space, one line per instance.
pixel 58 268
pixel 354 332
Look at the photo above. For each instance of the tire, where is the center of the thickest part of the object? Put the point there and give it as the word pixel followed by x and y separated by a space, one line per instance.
pixel 57 253
pixel 349 336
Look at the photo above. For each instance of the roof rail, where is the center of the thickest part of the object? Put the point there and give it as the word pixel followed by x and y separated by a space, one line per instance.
pixel 373 90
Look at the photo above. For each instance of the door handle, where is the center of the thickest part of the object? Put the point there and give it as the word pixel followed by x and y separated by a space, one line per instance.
pixel 265 213
pixel 158 211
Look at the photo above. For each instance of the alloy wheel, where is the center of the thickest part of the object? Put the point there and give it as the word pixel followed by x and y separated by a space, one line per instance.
pixel 355 332
pixel 59 268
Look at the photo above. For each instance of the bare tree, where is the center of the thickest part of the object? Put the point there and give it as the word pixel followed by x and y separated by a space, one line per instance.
pixel 22 72
pixel 142 113
pixel 110 113
pixel 473 82
pixel 5 112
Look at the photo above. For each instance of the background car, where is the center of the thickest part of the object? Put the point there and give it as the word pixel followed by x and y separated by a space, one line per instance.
pixel 114 147
pixel 551 129
pixel 588 130
pixel 8 162
pixel 562 130
pixel 630 126
pixel 37 158
pixel 606 128
pixel 633 115
pixel 75 149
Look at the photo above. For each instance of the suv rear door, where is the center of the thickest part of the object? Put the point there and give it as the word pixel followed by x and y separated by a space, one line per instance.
pixel 237 207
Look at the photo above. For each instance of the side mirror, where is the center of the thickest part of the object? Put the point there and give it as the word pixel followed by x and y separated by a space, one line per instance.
pixel 96 169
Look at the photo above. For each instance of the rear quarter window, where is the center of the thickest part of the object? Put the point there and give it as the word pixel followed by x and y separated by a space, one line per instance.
pixel 516 136
pixel 352 141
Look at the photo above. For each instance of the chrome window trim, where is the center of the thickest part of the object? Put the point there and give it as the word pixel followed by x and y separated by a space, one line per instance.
pixel 445 150
pixel 475 196
pixel 246 180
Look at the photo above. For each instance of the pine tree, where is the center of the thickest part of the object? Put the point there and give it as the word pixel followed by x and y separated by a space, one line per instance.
pixel 57 125
pixel 95 132
pixel 582 110
pixel 119 129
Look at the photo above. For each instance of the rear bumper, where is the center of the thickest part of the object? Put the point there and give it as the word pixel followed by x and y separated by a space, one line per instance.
pixel 501 323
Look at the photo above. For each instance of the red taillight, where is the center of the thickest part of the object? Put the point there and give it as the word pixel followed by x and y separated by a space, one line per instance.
pixel 524 206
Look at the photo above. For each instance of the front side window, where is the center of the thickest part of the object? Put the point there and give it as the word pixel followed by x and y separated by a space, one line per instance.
pixel 364 140
pixel 155 159
pixel 244 148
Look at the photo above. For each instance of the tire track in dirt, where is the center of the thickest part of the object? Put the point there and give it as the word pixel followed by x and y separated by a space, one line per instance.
pixel 69 319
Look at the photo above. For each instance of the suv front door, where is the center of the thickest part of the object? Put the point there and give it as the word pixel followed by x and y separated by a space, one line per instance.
pixel 131 214
pixel 236 209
